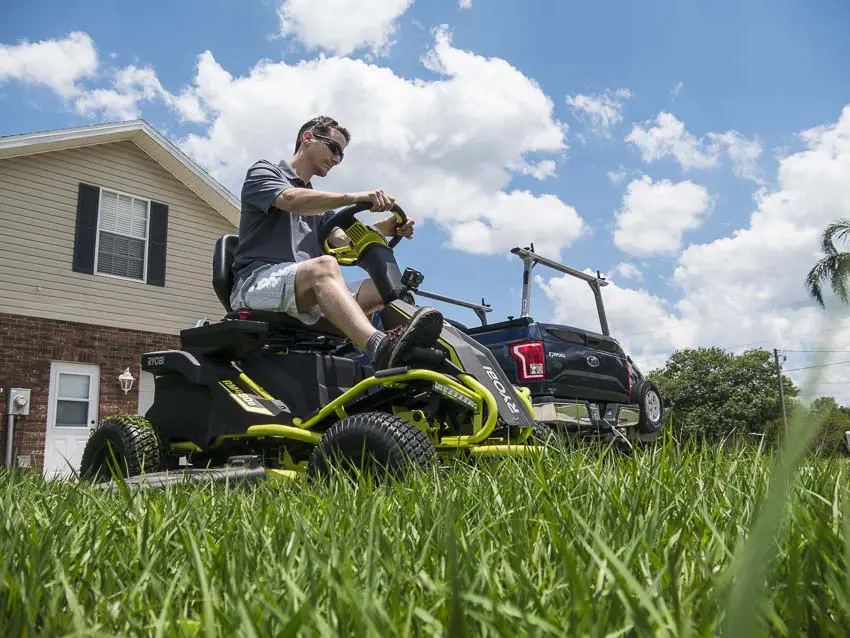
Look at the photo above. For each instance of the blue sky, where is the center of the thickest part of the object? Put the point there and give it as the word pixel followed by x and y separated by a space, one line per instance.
pixel 735 80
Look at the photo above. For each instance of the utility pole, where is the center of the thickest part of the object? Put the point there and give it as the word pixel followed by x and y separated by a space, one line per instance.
pixel 781 391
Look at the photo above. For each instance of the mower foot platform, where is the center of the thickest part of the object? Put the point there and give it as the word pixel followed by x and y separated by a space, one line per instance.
pixel 242 471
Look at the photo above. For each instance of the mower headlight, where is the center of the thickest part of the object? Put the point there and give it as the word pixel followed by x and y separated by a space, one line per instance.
pixel 446 391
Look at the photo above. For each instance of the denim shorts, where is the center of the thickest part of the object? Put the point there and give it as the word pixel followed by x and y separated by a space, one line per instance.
pixel 272 288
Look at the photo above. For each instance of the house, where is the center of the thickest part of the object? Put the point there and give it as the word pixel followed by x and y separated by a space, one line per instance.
pixel 106 241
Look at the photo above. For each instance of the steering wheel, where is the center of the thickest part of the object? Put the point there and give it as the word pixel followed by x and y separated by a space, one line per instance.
pixel 360 235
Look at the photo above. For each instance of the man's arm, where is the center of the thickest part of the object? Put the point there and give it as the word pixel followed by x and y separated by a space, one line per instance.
pixel 264 187
pixel 306 201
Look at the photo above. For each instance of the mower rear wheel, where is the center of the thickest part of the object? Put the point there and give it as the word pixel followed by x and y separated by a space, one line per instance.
pixel 126 439
pixel 377 442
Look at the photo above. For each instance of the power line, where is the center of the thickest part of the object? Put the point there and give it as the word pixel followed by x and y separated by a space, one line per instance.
pixel 837 351
pixel 821 365
pixel 802 335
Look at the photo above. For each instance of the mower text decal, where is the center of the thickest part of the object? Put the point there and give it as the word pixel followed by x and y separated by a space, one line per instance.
pixel 156 361
pixel 501 388
pixel 248 402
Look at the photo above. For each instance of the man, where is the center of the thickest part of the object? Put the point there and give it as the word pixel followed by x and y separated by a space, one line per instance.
pixel 280 266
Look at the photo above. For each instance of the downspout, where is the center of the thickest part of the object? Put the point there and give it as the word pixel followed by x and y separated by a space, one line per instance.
pixel 10 435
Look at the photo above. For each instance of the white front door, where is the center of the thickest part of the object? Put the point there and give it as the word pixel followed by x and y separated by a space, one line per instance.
pixel 72 411
pixel 147 385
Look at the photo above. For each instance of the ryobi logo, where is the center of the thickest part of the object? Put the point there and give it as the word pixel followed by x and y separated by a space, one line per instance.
pixel 502 390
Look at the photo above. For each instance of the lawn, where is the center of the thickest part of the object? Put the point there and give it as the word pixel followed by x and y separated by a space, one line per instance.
pixel 579 544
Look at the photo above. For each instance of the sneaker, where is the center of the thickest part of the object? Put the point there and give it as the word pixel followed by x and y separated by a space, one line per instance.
pixel 422 331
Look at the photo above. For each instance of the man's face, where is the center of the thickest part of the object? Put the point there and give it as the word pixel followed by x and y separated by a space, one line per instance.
pixel 324 151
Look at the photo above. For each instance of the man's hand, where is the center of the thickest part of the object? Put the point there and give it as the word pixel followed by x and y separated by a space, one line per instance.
pixel 379 199
pixel 337 238
pixel 390 227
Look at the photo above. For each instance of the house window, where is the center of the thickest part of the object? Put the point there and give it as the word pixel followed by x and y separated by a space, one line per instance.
pixel 122 235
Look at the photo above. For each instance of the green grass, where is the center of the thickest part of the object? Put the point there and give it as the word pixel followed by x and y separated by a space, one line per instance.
pixel 581 543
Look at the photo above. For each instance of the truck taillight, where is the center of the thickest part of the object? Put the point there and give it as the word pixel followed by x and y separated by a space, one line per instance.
pixel 531 358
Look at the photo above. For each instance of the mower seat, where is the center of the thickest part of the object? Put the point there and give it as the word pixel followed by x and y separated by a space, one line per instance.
pixel 279 322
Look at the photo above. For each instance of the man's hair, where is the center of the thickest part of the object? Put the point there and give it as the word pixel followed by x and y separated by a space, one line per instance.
pixel 323 125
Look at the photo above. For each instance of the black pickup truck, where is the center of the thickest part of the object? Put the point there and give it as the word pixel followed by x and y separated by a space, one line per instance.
pixel 582 382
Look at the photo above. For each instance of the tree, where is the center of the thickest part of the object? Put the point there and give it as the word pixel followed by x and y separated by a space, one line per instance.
pixel 834 266
pixel 833 421
pixel 717 393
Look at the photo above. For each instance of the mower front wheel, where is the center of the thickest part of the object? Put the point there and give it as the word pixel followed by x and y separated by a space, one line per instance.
pixel 125 443
pixel 376 442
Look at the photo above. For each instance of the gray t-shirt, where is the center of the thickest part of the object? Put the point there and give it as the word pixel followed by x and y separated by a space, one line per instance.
pixel 267 234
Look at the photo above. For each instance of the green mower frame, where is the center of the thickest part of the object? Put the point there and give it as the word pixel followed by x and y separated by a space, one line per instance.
pixel 263 392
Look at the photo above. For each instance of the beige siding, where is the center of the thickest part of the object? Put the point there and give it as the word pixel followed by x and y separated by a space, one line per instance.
pixel 38 206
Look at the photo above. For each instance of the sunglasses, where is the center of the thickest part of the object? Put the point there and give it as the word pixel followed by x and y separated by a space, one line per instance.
pixel 332 144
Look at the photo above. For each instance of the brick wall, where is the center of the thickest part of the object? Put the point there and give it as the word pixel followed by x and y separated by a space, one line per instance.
pixel 29 344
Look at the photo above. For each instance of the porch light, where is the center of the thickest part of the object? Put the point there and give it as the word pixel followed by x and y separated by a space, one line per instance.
pixel 126 380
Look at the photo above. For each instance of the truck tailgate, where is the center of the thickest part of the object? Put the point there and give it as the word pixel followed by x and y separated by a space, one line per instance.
pixel 584 364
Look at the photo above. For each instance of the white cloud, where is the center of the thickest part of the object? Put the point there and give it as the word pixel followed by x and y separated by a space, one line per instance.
pixel 677 88
pixel 63 64
pixel 599 112
pixel 508 222
pixel 57 64
pixel 768 260
pixel 628 271
pixel 743 153
pixel 628 311
pixel 746 290
pixel 131 86
pixel 465 4
pixel 342 26
pixel 670 137
pixel 446 148
pixel 541 170
pixel 617 176
pixel 655 216
pixel 188 105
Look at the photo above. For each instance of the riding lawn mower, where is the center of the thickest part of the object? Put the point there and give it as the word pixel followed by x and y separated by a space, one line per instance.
pixel 260 393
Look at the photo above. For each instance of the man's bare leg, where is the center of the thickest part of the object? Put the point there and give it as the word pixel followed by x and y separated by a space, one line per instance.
pixel 368 297
pixel 319 282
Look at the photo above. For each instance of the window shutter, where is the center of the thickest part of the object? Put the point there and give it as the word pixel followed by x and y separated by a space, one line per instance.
pixel 86 229
pixel 157 241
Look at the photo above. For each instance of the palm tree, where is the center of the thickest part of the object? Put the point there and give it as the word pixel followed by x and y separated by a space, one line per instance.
pixel 834 266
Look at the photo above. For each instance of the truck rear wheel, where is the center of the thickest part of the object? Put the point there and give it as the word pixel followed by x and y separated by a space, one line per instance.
pixel 544 435
pixel 651 407
pixel 377 442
